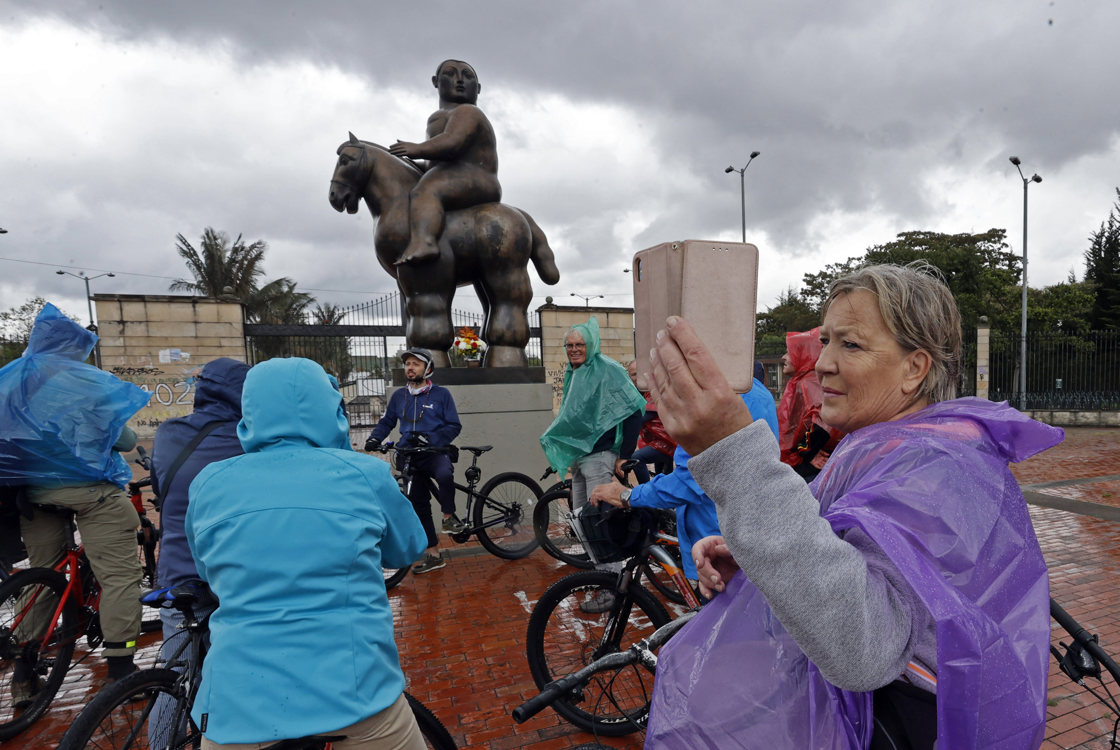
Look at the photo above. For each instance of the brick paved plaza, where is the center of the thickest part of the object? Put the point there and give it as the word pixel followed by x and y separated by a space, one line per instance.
pixel 461 630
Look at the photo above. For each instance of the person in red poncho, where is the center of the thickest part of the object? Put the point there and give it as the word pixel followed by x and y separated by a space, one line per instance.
pixel 806 442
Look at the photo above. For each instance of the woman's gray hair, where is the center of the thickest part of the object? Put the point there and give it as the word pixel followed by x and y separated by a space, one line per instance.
pixel 920 313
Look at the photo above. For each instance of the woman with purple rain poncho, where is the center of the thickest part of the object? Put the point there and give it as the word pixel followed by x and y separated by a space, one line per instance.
pixel 903 592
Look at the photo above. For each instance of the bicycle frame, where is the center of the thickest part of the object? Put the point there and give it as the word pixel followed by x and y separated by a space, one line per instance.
pixel 474 477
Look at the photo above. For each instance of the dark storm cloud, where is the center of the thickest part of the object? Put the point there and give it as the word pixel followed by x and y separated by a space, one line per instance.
pixel 854 105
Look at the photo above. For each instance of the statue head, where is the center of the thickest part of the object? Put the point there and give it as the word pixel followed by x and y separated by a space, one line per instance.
pixel 456 82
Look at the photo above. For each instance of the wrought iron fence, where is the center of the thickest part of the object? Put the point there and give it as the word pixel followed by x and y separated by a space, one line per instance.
pixel 1064 371
pixel 358 348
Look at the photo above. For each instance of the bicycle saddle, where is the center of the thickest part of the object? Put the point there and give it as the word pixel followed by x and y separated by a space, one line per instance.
pixel 479 450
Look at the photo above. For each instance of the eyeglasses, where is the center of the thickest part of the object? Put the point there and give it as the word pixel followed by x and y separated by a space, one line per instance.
pixel 575 346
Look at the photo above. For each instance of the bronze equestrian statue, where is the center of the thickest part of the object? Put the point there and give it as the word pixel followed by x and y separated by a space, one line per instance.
pixel 441 227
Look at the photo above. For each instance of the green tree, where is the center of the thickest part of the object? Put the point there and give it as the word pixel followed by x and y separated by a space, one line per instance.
pixel 332 352
pixel 218 264
pixel 277 302
pixel 978 268
pixel 1102 270
pixel 791 313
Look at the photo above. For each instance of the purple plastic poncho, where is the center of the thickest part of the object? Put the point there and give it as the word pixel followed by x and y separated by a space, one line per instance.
pixel 61 416
pixel 933 490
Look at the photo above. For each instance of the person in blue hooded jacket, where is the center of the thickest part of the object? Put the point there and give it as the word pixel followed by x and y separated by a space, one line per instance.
pixel 678 490
pixel 64 423
pixel 291 537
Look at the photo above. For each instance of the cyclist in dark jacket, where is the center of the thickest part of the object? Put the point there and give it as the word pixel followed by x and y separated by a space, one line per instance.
pixel 217 410
pixel 427 416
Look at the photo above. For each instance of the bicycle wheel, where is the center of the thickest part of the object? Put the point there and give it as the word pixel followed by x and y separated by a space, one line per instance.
pixel 562 638
pixel 503 515
pixel 435 733
pixel 554 533
pixel 121 715
pixel 393 576
pixel 31 662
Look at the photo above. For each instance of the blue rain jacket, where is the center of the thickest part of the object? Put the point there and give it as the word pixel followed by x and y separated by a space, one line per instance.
pixel 696 513
pixel 61 416
pixel 292 537
pixel 217 398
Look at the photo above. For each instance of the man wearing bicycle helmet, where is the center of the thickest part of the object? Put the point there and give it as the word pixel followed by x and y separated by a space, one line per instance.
pixel 427 417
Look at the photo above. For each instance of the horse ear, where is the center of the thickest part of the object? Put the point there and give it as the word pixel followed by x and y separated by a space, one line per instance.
pixel 354 139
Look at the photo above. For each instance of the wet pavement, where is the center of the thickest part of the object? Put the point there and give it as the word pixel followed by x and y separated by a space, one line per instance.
pixel 461 629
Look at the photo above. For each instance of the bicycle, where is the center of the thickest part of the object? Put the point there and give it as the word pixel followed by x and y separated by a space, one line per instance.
pixel 147 536
pixel 562 637
pixel 43 613
pixel 555 535
pixel 1082 658
pixel 121 715
pixel 499 512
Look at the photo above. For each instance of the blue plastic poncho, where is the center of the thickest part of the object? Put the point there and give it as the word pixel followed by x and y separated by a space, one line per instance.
pixel 934 492
pixel 61 416
pixel 598 396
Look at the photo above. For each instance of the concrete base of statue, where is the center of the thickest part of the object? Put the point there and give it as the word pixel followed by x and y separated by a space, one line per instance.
pixel 506 407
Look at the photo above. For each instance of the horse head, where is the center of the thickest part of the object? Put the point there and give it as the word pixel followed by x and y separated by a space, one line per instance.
pixel 367 170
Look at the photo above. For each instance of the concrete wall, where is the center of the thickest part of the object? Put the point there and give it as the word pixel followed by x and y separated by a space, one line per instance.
pixel 159 342
pixel 616 326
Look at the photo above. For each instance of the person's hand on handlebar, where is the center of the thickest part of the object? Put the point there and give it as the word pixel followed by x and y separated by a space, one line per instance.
pixel 610 493
pixel 372 445
pixel 714 564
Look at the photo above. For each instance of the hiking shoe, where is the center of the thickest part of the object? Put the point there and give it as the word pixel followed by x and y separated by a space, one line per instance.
pixel 428 564
pixel 454 526
pixel 600 602
pixel 24 691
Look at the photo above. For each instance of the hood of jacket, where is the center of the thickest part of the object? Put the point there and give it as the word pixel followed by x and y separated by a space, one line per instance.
pixel 989 425
pixel 57 335
pixel 804 348
pixel 291 402
pixel 218 387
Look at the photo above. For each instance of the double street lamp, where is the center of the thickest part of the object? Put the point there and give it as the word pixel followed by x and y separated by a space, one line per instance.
pixel 1023 328
pixel 586 298
pixel 743 188
pixel 82 275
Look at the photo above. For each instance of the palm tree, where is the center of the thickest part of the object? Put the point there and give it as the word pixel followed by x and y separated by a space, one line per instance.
pixel 220 265
pixel 278 302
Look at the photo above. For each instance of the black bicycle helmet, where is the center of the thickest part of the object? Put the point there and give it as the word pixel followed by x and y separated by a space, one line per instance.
pixel 423 355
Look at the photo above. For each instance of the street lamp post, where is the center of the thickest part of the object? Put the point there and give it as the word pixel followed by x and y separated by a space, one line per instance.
pixel 82 275
pixel 586 299
pixel 743 188
pixel 1023 326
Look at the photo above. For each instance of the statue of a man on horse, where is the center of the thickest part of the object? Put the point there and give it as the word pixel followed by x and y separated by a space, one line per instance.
pixel 440 225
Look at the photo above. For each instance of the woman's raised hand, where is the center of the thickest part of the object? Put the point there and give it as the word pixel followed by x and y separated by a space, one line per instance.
pixel 694 400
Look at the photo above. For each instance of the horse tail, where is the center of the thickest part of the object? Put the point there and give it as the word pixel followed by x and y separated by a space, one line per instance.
pixel 541 254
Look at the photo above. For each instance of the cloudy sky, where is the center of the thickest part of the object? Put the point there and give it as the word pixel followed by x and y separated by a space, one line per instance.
pixel 125 123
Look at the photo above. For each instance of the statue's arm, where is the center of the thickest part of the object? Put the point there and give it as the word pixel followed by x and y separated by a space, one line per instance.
pixel 457 136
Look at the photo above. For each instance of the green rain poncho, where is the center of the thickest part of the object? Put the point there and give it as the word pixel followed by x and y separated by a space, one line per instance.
pixel 598 396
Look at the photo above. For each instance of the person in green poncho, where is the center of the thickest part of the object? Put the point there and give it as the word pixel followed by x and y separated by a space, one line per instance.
pixel 598 424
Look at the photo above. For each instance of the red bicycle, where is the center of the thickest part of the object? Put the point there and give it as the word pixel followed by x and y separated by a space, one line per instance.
pixel 43 613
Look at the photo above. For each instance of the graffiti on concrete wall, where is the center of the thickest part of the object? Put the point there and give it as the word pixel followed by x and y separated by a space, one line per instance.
pixel 172 386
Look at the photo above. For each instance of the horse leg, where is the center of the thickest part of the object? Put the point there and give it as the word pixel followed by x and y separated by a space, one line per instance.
pixel 506 328
pixel 428 311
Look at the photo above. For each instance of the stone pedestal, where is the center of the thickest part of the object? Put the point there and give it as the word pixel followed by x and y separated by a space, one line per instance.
pixel 506 407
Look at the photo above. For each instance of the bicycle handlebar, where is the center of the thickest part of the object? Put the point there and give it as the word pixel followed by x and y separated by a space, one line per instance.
pixel 642 651
pixel 1087 640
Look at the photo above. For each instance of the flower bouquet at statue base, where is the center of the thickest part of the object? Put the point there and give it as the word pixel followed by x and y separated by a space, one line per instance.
pixel 469 347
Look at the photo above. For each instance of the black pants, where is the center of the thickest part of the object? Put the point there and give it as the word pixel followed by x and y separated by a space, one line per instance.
pixel 436 466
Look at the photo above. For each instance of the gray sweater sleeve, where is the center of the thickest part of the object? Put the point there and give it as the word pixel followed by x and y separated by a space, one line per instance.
pixel 841 599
